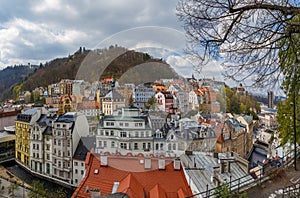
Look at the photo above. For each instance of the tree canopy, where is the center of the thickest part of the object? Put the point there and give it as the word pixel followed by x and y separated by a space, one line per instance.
pixel 246 34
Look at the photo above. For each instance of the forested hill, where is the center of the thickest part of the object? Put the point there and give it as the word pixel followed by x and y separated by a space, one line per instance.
pixel 89 65
pixel 12 75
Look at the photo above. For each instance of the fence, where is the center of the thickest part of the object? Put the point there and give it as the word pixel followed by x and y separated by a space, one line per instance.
pixel 271 169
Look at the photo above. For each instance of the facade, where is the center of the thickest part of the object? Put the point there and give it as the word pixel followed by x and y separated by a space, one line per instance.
pixel 181 101
pixel 37 144
pixel 233 138
pixel 47 146
pixel 24 124
pixel 91 110
pixel 67 130
pixel 165 102
pixel 7 146
pixel 129 132
pixel 85 145
pixel 65 105
pixel 112 102
pixel 248 122
pixel 195 99
pixel 141 95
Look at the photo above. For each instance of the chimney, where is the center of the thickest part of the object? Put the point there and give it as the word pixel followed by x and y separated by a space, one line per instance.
pixel 147 163
pixel 103 160
pixel 222 167
pixel 228 166
pixel 161 163
pixel 176 164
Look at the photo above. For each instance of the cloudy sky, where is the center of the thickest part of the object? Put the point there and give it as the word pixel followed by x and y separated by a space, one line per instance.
pixel 38 31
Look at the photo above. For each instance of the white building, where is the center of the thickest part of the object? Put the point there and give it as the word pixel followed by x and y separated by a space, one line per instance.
pixel 36 139
pixel 85 145
pixel 141 95
pixel 67 131
pixel 112 102
pixel 126 133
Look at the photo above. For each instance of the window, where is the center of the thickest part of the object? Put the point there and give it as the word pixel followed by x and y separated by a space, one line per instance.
pixel 136 146
pixel 33 146
pixel 126 124
pixel 112 133
pixel 82 164
pixel 121 124
pixel 48 157
pixel 75 163
pixel 104 143
pixel 110 123
pixel 37 147
pixel 58 125
pixel 112 144
pixel 142 134
pixel 123 145
pixel 48 168
pixel 107 133
pixel 144 146
pixel 136 134
pixel 149 145
pixel 123 134
pixel 82 172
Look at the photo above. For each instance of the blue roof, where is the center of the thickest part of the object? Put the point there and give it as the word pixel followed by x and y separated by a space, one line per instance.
pixel 269 109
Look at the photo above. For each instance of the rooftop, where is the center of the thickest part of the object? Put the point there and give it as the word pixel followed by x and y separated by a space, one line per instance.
pixel 132 177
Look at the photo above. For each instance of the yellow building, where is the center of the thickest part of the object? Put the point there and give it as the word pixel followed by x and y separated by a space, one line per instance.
pixel 23 129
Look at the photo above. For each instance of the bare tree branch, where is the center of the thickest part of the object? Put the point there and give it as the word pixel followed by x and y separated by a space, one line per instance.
pixel 246 35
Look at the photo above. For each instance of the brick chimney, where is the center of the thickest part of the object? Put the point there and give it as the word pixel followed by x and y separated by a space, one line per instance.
pixel 103 160
pixel 161 163
pixel 176 164
pixel 147 162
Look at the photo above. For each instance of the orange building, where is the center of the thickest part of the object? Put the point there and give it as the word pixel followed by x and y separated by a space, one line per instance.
pixel 134 176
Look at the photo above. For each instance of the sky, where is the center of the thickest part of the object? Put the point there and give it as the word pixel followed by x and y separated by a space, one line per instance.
pixel 39 31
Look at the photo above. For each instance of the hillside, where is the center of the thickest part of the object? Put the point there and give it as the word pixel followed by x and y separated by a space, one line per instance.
pixel 97 64
pixel 12 75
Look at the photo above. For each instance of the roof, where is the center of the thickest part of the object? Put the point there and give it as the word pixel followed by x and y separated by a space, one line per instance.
pixel 205 163
pixel 42 121
pixel 114 95
pixel 133 178
pixel 88 105
pixel 84 146
pixel 67 117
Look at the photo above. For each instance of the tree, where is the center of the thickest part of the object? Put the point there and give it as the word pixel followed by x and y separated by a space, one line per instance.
pixel 12 187
pixel 247 35
pixel 290 63
pixel 37 190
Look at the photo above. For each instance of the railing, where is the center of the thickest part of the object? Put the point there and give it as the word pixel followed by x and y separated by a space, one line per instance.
pixel 266 171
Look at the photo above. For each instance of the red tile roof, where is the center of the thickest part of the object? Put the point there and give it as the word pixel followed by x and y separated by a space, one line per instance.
pixel 133 178
pixel 88 105
pixel 157 191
